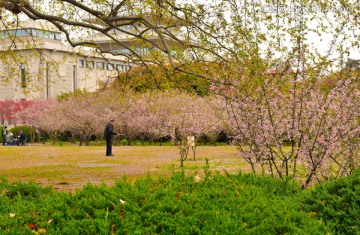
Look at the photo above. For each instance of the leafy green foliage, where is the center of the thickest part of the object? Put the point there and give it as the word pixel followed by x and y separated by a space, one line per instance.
pixel 1 129
pixel 67 95
pixel 337 203
pixel 216 204
pixel 151 77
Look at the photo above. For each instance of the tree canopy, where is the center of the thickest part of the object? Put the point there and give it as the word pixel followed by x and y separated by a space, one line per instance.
pixel 245 38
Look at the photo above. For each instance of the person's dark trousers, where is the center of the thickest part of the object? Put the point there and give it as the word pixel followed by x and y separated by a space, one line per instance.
pixel 4 139
pixel 108 147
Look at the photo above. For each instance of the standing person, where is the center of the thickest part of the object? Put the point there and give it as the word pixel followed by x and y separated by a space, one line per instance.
pixel 3 134
pixel 22 138
pixel 108 133
pixel 191 143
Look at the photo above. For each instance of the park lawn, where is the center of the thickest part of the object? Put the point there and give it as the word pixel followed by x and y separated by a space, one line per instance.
pixel 70 167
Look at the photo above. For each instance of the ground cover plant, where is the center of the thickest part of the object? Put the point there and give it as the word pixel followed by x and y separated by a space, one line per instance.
pixel 226 204
pixel 337 203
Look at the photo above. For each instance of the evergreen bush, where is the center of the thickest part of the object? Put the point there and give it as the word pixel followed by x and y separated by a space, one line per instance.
pixel 217 204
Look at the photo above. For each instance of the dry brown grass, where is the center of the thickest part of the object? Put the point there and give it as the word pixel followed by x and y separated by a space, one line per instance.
pixel 70 167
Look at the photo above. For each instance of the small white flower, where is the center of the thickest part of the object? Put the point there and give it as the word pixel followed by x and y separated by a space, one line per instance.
pixel 122 201
pixel 12 215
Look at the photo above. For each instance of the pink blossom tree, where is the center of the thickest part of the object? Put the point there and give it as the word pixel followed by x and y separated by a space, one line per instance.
pixel 189 115
pixel 137 117
pixel 287 126
pixel 81 116
pixel 10 109
pixel 171 114
pixel 41 116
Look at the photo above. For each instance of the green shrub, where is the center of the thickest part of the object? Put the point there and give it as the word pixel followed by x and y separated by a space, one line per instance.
pixel 218 204
pixel 337 203
pixel 1 128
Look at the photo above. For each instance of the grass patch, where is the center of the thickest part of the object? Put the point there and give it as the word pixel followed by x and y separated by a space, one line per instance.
pixel 78 165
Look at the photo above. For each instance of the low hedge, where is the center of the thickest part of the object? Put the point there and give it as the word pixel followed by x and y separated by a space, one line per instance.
pixel 215 204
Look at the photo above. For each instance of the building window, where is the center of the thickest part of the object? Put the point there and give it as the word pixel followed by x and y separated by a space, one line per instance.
pixel 47 81
pixel 49 35
pixel 30 32
pixel 100 65
pixel 39 33
pixel 57 36
pixel 81 63
pixel 120 67
pixel 110 67
pixel 90 64
pixel 74 78
pixel 125 51
pixel 18 33
pixel 23 76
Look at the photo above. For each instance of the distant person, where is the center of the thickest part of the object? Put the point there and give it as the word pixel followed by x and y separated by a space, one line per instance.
pixel 10 139
pixel 191 143
pixel 22 138
pixel 3 134
pixel 108 133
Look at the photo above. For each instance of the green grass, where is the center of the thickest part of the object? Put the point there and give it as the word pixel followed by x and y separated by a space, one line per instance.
pixel 78 165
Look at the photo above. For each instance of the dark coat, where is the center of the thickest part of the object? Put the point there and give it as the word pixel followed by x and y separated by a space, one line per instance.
pixel 22 137
pixel 109 131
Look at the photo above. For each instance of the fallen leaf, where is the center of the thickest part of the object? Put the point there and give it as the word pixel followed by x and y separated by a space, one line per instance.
pixel 312 213
pixel 5 191
pixel 113 229
pixel 32 226
pixel 122 214
pixel 11 215
pixel 122 201
pixel 197 179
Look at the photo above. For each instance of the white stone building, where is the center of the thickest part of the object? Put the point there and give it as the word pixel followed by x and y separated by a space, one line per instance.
pixel 35 63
